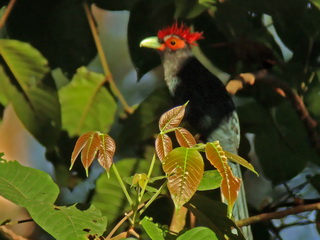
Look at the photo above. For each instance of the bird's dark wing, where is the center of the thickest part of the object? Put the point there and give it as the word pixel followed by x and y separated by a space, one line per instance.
pixel 210 104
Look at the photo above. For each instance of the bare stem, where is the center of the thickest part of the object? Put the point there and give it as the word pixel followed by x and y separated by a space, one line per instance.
pixel 278 215
pixel 124 189
pixel 7 13
pixel 125 218
pixel 103 60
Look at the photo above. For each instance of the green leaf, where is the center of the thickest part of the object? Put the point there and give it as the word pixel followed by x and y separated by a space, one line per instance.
pixel 211 180
pixel 86 104
pixel 240 160
pixel 213 214
pixel 184 167
pixel 27 85
pixel 279 135
pixel 312 99
pixel 35 190
pixel 109 197
pixel 152 229
pixel 202 233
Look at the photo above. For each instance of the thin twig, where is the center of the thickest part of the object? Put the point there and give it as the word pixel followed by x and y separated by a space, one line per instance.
pixel 7 13
pixel 278 215
pixel 103 60
pixel 125 218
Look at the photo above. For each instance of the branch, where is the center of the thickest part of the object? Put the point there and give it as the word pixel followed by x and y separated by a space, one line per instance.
pixel 103 60
pixel 278 215
pixel 7 13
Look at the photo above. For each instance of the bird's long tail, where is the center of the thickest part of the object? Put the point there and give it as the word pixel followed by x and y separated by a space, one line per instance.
pixel 228 135
pixel 240 209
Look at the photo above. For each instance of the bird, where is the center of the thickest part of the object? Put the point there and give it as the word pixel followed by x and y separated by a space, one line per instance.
pixel 210 110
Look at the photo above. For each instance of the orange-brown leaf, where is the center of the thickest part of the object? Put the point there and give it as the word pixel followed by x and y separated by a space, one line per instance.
pixel 230 185
pixel 172 118
pixel 81 142
pixel 163 146
pixel 90 150
pixel 107 149
pixel 184 168
pixel 185 138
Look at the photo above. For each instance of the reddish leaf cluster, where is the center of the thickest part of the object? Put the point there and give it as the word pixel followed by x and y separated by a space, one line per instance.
pixel 92 144
pixel 170 121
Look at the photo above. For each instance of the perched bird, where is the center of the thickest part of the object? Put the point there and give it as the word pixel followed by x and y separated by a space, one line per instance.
pixel 210 110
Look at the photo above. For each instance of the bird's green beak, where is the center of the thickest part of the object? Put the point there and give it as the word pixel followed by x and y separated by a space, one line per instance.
pixel 151 42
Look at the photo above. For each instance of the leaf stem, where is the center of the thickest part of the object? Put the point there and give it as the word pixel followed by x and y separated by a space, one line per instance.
pixel 149 175
pixel 7 13
pixel 124 189
pixel 155 195
pixel 103 60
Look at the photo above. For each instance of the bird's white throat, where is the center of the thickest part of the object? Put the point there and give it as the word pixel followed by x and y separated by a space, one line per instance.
pixel 172 63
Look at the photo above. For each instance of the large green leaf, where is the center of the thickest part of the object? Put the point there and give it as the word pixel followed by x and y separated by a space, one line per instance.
pixel 213 214
pixel 184 167
pixel 109 197
pixel 35 190
pixel 58 29
pixel 86 104
pixel 152 229
pixel 25 81
pixel 202 233
pixel 281 141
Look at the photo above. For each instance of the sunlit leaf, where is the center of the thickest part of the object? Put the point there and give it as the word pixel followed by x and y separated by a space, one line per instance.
pixel 107 149
pixel 81 142
pixel 26 84
pixel 36 191
pixel 230 185
pixel 152 229
pixel 86 104
pixel 184 167
pixel 240 160
pixel 202 233
pixel 139 179
pixel 211 180
pixel 163 146
pixel 184 137
pixel 172 118
pixel 90 150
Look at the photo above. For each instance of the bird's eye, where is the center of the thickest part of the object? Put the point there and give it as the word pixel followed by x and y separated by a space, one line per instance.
pixel 173 42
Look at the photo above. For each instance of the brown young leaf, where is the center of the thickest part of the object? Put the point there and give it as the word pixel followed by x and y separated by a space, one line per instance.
pixel 90 150
pixel 172 118
pixel 230 185
pixel 240 160
pixel 163 146
pixel 185 138
pixel 107 149
pixel 81 142
pixel 184 168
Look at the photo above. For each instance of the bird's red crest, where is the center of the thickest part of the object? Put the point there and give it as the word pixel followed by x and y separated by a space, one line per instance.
pixel 181 31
